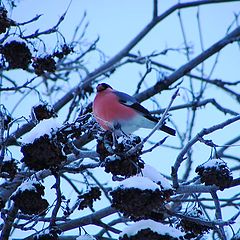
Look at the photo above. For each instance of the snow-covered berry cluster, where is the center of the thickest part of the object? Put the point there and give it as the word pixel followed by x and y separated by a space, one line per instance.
pixel 149 229
pixel 115 158
pixel 191 228
pixel 41 148
pixel 215 171
pixel 44 64
pixel 144 198
pixel 46 145
pixel 43 153
pixel 138 204
pixel 28 198
pixel 16 54
pixel 43 111
pixel 140 197
pixel 47 64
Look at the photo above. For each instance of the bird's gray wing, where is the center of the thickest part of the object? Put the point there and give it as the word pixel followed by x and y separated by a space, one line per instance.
pixel 131 102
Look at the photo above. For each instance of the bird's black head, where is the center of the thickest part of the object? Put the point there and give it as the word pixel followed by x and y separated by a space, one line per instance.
pixel 102 86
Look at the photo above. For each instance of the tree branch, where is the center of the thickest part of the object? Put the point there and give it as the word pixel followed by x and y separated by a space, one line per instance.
pixel 186 68
pixel 86 220
pixel 204 132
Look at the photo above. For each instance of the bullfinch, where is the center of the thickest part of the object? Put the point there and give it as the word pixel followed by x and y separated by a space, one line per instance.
pixel 115 110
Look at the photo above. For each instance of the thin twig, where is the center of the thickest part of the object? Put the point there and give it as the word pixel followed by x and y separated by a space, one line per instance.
pixel 163 117
pixel 199 104
pixel 157 126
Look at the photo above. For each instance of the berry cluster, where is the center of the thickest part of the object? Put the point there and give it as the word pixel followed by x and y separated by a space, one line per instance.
pixel 16 54
pixel 215 171
pixel 115 160
pixel 138 204
pixel 5 22
pixel 191 228
pixel 147 234
pixel 45 64
pixel 43 111
pixel 87 199
pixel 30 201
pixel 148 230
pixel 43 153
pixel 86 92
pixel 104 145
pixel 64 51
pixel 9 167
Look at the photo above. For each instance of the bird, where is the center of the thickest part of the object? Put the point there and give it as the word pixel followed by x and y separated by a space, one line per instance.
pixel 119 112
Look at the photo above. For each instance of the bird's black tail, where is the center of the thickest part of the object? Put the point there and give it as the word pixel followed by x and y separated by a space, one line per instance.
pixel 168 130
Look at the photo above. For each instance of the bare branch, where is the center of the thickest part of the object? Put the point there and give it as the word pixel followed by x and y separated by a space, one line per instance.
pixel 183 70
pixel 198 104
pixel 83 221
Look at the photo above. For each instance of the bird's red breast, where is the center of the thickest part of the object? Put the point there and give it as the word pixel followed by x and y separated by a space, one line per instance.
pixel 107 109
